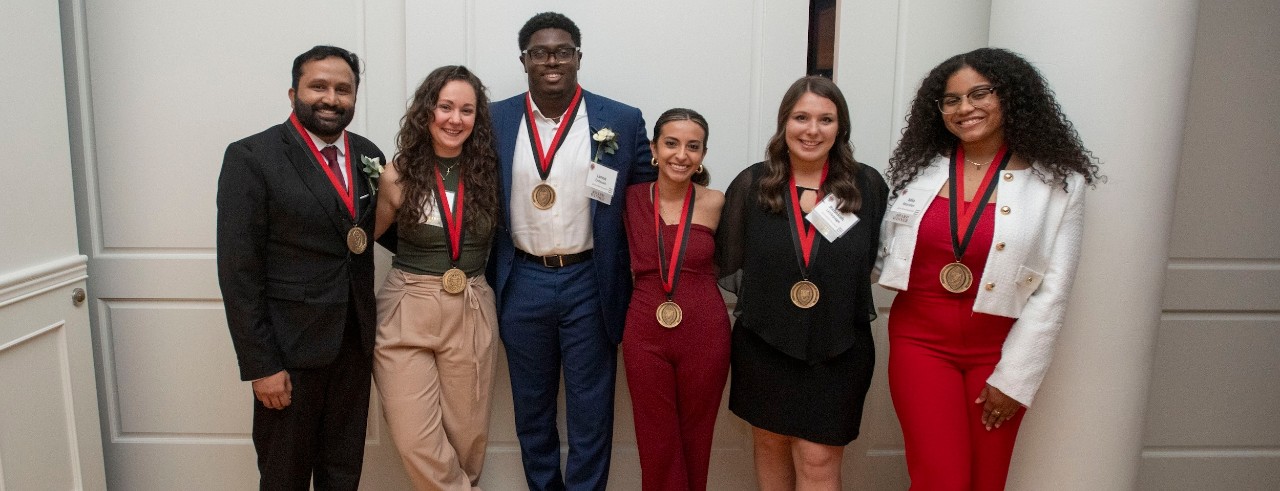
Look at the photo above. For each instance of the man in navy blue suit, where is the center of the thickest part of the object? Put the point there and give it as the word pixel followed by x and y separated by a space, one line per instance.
pixel 560 264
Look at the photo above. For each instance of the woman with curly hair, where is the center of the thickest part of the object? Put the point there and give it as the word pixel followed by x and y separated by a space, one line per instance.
pixel 434 353
pixel 981 240
pixel 796 242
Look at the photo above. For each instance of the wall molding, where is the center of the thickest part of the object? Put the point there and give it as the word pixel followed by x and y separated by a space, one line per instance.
pixel 25 283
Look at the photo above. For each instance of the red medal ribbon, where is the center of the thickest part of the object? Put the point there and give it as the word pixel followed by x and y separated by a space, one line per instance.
pixel 804 233
pixel 344 192
pixel 452 220
pixel 962 212
pixel 669 271
pixel 544 158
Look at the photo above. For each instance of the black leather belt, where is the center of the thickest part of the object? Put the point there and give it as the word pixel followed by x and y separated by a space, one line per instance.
pixel 556 260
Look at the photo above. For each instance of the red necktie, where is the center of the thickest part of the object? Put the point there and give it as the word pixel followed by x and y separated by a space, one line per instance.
pixel 331 154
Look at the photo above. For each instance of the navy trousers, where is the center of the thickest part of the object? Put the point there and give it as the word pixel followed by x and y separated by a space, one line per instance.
pixel 550 319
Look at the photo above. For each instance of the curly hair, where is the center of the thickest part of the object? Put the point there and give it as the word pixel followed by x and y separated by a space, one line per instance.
pixel 416 157
pixel 702 177
pixel 548 20
pixel 1034 126
pixel 842 169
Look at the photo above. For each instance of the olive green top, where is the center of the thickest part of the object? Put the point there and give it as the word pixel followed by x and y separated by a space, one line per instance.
pixel 422 247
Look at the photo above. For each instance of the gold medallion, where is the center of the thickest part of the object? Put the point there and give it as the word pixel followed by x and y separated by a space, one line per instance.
pixel 804 294
pixel 956 277
pixel 669 314
pixel 454 281
pixel 357 241
pixel 544 196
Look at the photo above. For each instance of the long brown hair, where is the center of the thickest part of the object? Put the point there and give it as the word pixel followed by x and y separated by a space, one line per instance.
pixel 416 157
pixel 843 170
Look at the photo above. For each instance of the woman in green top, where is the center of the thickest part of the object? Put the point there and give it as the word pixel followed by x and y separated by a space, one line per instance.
pixel 434 355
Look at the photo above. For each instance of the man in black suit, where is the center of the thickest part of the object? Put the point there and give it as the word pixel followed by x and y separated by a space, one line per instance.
pixel 295 213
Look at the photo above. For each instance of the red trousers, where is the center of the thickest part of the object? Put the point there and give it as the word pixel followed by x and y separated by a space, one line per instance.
pixel 676 378
pixel 940 355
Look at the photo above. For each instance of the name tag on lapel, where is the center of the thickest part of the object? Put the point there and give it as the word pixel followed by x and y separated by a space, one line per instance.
pixel 910 205
pixel 600 183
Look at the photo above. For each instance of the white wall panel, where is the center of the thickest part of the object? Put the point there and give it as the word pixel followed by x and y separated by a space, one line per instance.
pixel 171 87
pixel 37 217
pixel 1216 382
pixel 1225 205
pixel 170 372
pixel 37 450
pixel 1211 416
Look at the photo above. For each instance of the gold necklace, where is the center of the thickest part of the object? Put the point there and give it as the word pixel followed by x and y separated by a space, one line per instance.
pixel 978 165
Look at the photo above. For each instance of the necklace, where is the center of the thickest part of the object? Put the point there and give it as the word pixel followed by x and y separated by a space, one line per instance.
pixel 448 168
pixel 978 165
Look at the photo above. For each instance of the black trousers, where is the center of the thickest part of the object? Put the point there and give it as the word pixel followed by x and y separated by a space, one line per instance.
pixel 322 431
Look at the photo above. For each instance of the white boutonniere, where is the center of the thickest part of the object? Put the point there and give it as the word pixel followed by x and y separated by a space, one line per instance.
pixel 608 143
pixel 372 169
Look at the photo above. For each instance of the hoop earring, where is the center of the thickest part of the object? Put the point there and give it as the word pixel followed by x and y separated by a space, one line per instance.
pixel 653 161
pixel 700 169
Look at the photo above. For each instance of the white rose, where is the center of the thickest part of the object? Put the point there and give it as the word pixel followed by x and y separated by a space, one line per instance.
pixel 604 135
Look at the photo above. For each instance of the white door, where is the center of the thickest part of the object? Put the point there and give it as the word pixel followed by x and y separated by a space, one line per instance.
pixel 49 436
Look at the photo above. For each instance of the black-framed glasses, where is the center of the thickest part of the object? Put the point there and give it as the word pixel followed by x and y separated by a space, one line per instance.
pixel 979 98
pixel 540 55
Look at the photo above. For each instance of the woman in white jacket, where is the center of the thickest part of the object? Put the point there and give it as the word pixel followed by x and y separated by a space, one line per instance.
pixel 981 241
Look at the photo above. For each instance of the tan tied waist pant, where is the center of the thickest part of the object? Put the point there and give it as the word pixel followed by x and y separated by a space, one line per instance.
pixel 434 363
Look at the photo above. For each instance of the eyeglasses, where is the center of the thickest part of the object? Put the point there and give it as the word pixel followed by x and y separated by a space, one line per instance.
pixel 979 98
pixel 540 55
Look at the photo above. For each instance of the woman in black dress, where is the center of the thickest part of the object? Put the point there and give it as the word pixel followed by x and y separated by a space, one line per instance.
pixel 802 353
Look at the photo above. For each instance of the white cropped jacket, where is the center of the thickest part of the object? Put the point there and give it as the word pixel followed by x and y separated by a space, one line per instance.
pixel 1029 269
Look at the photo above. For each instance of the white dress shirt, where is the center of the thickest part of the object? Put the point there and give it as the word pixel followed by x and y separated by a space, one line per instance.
pixel 565 228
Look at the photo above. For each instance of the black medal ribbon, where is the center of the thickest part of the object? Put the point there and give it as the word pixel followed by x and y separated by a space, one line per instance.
pixel 986 189
pixel 670 278
pixel 544 159
pixel 795 219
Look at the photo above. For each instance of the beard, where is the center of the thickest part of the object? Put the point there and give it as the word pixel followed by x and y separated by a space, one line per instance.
pixel 323 128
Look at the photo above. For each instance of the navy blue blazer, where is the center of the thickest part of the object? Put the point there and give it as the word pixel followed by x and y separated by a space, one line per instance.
pixel 632 161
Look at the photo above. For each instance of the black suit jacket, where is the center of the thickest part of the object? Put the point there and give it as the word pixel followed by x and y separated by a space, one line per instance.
pixel 289 283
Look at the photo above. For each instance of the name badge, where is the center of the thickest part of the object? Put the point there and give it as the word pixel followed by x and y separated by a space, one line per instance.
pixel 910 205
pixel 600 181
pixel 431 215
pixel 829 220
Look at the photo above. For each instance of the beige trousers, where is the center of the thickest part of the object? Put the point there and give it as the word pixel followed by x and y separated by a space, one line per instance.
pixel 434 363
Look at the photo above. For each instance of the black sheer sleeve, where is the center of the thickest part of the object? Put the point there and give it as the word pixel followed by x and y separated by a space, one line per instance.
pixel 731 233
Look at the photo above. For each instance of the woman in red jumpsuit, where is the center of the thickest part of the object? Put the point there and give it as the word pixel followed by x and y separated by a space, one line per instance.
pixel 676 343
pixel 981 240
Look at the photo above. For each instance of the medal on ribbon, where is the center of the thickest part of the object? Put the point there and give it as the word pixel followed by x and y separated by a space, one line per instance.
pixel 357 239
pixel 955 276
pixel 544 196
pixel 804 293
pixel 669 314
pixel 454 280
